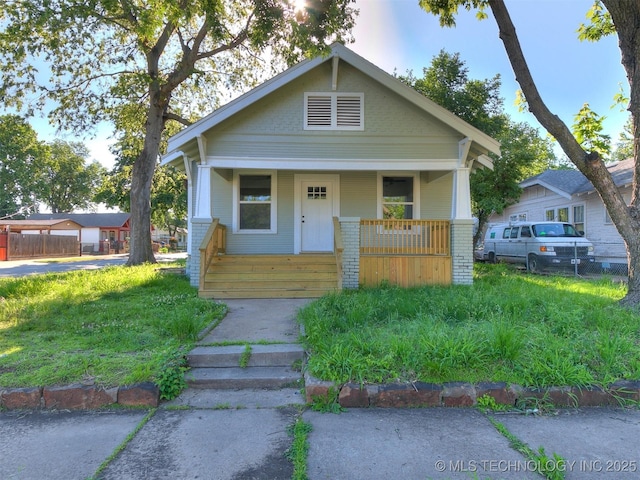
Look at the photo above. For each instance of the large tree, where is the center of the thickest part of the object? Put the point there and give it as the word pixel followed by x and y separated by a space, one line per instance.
pixel 607 17
pixel 69 182
pixel 524 153
pixel 22 158
pixel 169 56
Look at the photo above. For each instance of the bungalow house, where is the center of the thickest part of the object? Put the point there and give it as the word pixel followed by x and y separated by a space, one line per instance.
pixel 567 196
pixel 332 174
pixel 100 232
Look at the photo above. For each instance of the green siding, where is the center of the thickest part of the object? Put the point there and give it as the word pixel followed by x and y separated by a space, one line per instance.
pixel 273 127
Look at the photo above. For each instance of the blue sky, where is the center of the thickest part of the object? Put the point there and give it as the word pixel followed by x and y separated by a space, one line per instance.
pixel 398 35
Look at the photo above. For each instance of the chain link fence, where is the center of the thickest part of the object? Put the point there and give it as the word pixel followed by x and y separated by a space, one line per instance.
pixel 569 258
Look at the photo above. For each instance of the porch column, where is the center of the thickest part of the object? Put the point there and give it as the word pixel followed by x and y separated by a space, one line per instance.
pixel 200 221
pixel 461 229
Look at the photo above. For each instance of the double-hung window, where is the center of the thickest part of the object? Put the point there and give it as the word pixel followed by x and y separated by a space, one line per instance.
pixel 255 202
pixel 397 196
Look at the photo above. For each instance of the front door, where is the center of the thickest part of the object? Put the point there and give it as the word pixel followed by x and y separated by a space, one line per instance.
pixel 317 209
pixel 317 201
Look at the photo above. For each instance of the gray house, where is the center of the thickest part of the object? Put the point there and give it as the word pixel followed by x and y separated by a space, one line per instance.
pixel 567 196
pixel 332 174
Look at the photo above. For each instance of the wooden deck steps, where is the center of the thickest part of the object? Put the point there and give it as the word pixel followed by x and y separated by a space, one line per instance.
pixel 270 276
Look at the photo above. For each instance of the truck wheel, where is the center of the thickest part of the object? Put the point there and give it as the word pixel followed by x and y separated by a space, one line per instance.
pixel 491 257
pixel 532 265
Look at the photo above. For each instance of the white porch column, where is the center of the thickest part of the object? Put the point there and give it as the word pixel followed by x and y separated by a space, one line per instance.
pixel 202 210
pixel 461 201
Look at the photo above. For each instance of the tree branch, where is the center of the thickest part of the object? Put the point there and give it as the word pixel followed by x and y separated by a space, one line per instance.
pixel 177 118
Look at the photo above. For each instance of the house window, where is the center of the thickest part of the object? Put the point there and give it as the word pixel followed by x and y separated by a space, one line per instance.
pixel 550 215
pixel 578 217
pixel 254 202
pixel 398 197
pixel 333 111
pixel 563 214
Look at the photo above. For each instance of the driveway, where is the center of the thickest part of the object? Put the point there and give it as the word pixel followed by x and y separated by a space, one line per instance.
pixel 21 268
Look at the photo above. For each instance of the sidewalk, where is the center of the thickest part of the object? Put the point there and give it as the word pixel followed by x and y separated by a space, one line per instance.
pixel 231 435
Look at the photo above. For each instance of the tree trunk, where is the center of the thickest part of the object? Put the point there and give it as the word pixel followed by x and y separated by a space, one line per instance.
pixel 626 219
pixel 141 250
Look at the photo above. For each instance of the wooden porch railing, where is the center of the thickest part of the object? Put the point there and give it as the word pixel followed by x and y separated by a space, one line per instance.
pixel 213 243
pixel 338 247
pixel 404 237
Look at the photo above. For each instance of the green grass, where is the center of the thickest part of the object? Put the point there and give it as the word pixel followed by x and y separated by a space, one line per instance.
pixel 113 326
pixel 526 329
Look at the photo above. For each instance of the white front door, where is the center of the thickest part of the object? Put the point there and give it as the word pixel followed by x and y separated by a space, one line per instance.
pixel 317 203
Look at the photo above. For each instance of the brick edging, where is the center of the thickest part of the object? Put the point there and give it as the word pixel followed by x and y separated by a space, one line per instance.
pixel 461 394
pixel 80 397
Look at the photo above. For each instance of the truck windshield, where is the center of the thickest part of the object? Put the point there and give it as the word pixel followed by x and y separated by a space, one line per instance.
pixel 554 230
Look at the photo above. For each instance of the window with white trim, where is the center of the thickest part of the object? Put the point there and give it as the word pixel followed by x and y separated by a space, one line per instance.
pixel 397 197
pixel 333 111
pixel 254 202
pixel 578 218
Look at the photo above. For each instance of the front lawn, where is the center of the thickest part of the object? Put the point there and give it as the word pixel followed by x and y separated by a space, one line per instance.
pixel 531 330
pixel 114 326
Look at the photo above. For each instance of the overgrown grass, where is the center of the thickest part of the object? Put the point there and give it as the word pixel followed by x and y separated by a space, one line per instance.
pixel 527 329
pixel 113 326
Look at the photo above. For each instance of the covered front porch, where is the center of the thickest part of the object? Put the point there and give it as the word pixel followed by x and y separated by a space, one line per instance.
pixel 367 252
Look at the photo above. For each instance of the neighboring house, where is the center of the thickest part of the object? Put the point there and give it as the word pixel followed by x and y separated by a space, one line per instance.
pixel 38 238
pixel 567 196
pixel 163 236
pixel 332 174
pixel 101 232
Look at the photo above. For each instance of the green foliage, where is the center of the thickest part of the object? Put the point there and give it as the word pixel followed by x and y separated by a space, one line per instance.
pixel 529 330
pixel 245 357
pixel 487 403
pixel 299 449
pixel 69 183
pixel 170 379
pixel 552 468
pixel 22 158
pixel 327 403
pixel 600 24
pixel 587 130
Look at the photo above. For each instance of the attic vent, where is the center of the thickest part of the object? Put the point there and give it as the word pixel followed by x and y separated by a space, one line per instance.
pixel 333 111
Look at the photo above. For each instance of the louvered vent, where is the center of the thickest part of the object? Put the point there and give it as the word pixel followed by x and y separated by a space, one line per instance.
pixel 348 111
pixel 333 111
pixel 318 111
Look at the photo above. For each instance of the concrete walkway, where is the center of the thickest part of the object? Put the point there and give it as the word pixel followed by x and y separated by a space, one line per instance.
pixel 232 435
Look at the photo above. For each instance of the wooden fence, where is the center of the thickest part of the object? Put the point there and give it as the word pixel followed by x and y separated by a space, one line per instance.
pixel 21 246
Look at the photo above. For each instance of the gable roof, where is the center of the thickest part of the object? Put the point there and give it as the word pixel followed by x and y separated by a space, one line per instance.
pixel 63 223
pixel 571 182
pixel 338 51
pixel 87 220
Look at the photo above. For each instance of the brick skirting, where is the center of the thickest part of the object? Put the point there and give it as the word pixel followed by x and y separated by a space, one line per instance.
pixel 460 394
pixel 79 397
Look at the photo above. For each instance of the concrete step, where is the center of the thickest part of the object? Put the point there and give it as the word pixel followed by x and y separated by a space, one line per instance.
pixel 238 378
pixel 282 354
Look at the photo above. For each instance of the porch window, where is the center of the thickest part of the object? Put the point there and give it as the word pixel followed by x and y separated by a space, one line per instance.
pixel 397 197
pixel 333 111
pixel 255 202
